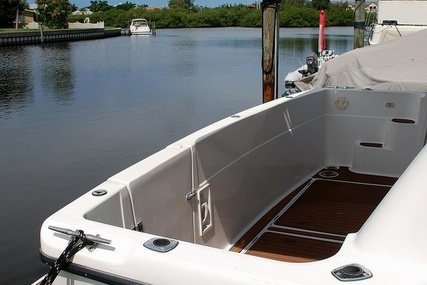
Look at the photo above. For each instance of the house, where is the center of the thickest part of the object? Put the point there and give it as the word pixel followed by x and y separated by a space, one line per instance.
pixel 85 11
pixel 369 7
pixel 255 5
pixel 150 7
pixel 27 18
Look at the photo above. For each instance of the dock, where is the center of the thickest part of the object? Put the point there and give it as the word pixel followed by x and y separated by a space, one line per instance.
pixel 38 37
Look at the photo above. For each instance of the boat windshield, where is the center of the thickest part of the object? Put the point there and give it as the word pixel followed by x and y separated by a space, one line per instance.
pixel 140 23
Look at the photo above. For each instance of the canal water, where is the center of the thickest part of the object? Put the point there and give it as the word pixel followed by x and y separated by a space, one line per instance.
pixel 74 113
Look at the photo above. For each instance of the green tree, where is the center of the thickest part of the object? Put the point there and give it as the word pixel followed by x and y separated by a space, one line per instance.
pixel 74 7
pixel 126 6
pixel 54 13
pixel 251 19
pixel 99 6
pixel 9 11
pixel 320 4
pixel 181 4
pixel 299 3
pixel 291 15
pixel 299 17
pixel 339 16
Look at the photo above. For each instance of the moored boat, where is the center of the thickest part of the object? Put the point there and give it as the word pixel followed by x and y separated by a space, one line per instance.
pixel 321 187
pixel 313 61
pixel 397 18
pixel 384 66
pixel 140 27
pixel 298 190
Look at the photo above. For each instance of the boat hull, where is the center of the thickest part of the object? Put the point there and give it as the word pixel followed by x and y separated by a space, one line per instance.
pixel 206 191
pixel 141 32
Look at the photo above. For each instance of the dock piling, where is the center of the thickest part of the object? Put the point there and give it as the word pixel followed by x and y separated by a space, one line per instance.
pixel 270 37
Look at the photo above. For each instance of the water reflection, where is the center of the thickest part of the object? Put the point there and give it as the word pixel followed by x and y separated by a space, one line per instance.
pixel 15 81
pixel 20 68
pixel 184 65
pixel 299 45
pixel 57 71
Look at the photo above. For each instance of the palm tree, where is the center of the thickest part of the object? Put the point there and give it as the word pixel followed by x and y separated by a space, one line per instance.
pixel 19 4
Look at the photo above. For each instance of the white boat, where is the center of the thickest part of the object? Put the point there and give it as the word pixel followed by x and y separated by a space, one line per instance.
pixel 140 27
pixel 394 19
pixel 300 190
pixel 397 18
pixel 308 70
pixel 322 187
pixel 385 66
pixel 313 62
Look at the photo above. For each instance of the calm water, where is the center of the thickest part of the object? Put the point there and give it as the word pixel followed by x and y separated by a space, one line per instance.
pixel 73 114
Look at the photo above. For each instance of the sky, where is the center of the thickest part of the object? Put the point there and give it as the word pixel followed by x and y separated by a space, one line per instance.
pixel 163 3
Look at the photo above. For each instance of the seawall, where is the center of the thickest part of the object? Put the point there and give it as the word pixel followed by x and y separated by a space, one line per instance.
pixel 36 37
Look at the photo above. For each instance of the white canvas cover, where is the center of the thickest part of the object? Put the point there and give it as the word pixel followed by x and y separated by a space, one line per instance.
pixel 399 64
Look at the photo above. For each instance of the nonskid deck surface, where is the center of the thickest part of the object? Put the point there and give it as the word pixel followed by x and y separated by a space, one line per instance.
pixel 312 223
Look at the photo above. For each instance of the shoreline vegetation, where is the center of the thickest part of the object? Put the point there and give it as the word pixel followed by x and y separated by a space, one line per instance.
pixel 291 15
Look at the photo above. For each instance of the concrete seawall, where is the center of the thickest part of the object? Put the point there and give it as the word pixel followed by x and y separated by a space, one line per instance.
pixel 34 37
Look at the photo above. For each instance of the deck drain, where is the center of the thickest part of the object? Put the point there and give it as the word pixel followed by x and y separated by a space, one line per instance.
pixel 161 244
pixel 328 174
pixel 332 167
pixel 351 272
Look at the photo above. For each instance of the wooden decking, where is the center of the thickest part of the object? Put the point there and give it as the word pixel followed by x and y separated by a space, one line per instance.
pixel 312 223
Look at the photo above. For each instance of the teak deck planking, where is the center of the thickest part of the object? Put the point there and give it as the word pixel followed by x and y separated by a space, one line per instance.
pixel 312 222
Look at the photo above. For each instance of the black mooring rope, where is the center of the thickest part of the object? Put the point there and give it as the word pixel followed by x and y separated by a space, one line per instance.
pixel 76 243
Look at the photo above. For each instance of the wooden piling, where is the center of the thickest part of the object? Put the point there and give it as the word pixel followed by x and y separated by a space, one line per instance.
pixel 270 22
pixel 359 24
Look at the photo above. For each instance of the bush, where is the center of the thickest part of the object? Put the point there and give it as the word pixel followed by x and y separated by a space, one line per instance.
pixel 296 15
